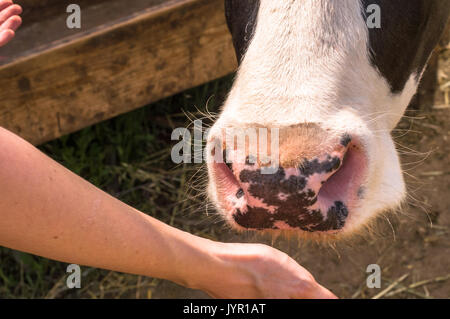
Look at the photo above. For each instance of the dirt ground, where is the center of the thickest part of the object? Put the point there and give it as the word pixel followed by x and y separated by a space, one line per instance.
pixel 413 244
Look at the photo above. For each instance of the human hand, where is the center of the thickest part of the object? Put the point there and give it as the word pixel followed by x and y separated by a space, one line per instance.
pixel 9 20
pixel 259 271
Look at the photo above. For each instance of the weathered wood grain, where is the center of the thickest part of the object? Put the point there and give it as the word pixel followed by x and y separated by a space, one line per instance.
pixel 112 69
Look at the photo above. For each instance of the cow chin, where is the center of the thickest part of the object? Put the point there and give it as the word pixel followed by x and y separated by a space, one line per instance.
pixel 329 184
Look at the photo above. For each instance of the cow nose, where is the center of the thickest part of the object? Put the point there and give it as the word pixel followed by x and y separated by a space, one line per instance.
pixel 310 193
pixel 308 175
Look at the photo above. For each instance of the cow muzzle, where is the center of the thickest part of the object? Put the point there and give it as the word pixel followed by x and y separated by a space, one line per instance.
pixel 309 179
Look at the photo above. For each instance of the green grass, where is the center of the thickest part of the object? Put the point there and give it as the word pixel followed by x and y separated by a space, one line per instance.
pixel 129 157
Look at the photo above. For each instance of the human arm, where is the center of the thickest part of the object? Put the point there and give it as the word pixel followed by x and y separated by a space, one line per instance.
pixel 47 210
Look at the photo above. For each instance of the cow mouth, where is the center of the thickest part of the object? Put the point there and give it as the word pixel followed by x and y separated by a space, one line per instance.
pixel 303 209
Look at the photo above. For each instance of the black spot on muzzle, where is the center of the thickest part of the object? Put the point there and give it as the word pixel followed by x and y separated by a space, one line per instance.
pixel 308 220
pixel 294 207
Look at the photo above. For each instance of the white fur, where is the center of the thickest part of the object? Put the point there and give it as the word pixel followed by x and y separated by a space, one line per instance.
pixel 308 62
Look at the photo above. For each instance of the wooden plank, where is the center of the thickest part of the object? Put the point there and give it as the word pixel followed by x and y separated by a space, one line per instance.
pixel 50 16
pixel 114 68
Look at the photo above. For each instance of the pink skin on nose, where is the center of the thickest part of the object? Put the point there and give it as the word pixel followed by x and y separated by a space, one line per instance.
pixel 314 183
pixel 294 197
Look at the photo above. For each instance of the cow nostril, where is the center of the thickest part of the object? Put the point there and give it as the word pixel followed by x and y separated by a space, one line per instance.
pixel 339 184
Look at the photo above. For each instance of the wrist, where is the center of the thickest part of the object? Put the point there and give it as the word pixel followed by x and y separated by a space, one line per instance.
pixel 226 267
pixel 194 260
pixel 206 265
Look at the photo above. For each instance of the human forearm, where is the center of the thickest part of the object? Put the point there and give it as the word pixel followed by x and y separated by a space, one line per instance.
pixel 49 211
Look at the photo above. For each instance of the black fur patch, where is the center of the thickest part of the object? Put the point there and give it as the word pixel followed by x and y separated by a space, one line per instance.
pixel 241 18
pixel 410 29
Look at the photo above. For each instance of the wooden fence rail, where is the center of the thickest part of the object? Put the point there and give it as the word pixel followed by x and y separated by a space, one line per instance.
pixel 55 80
